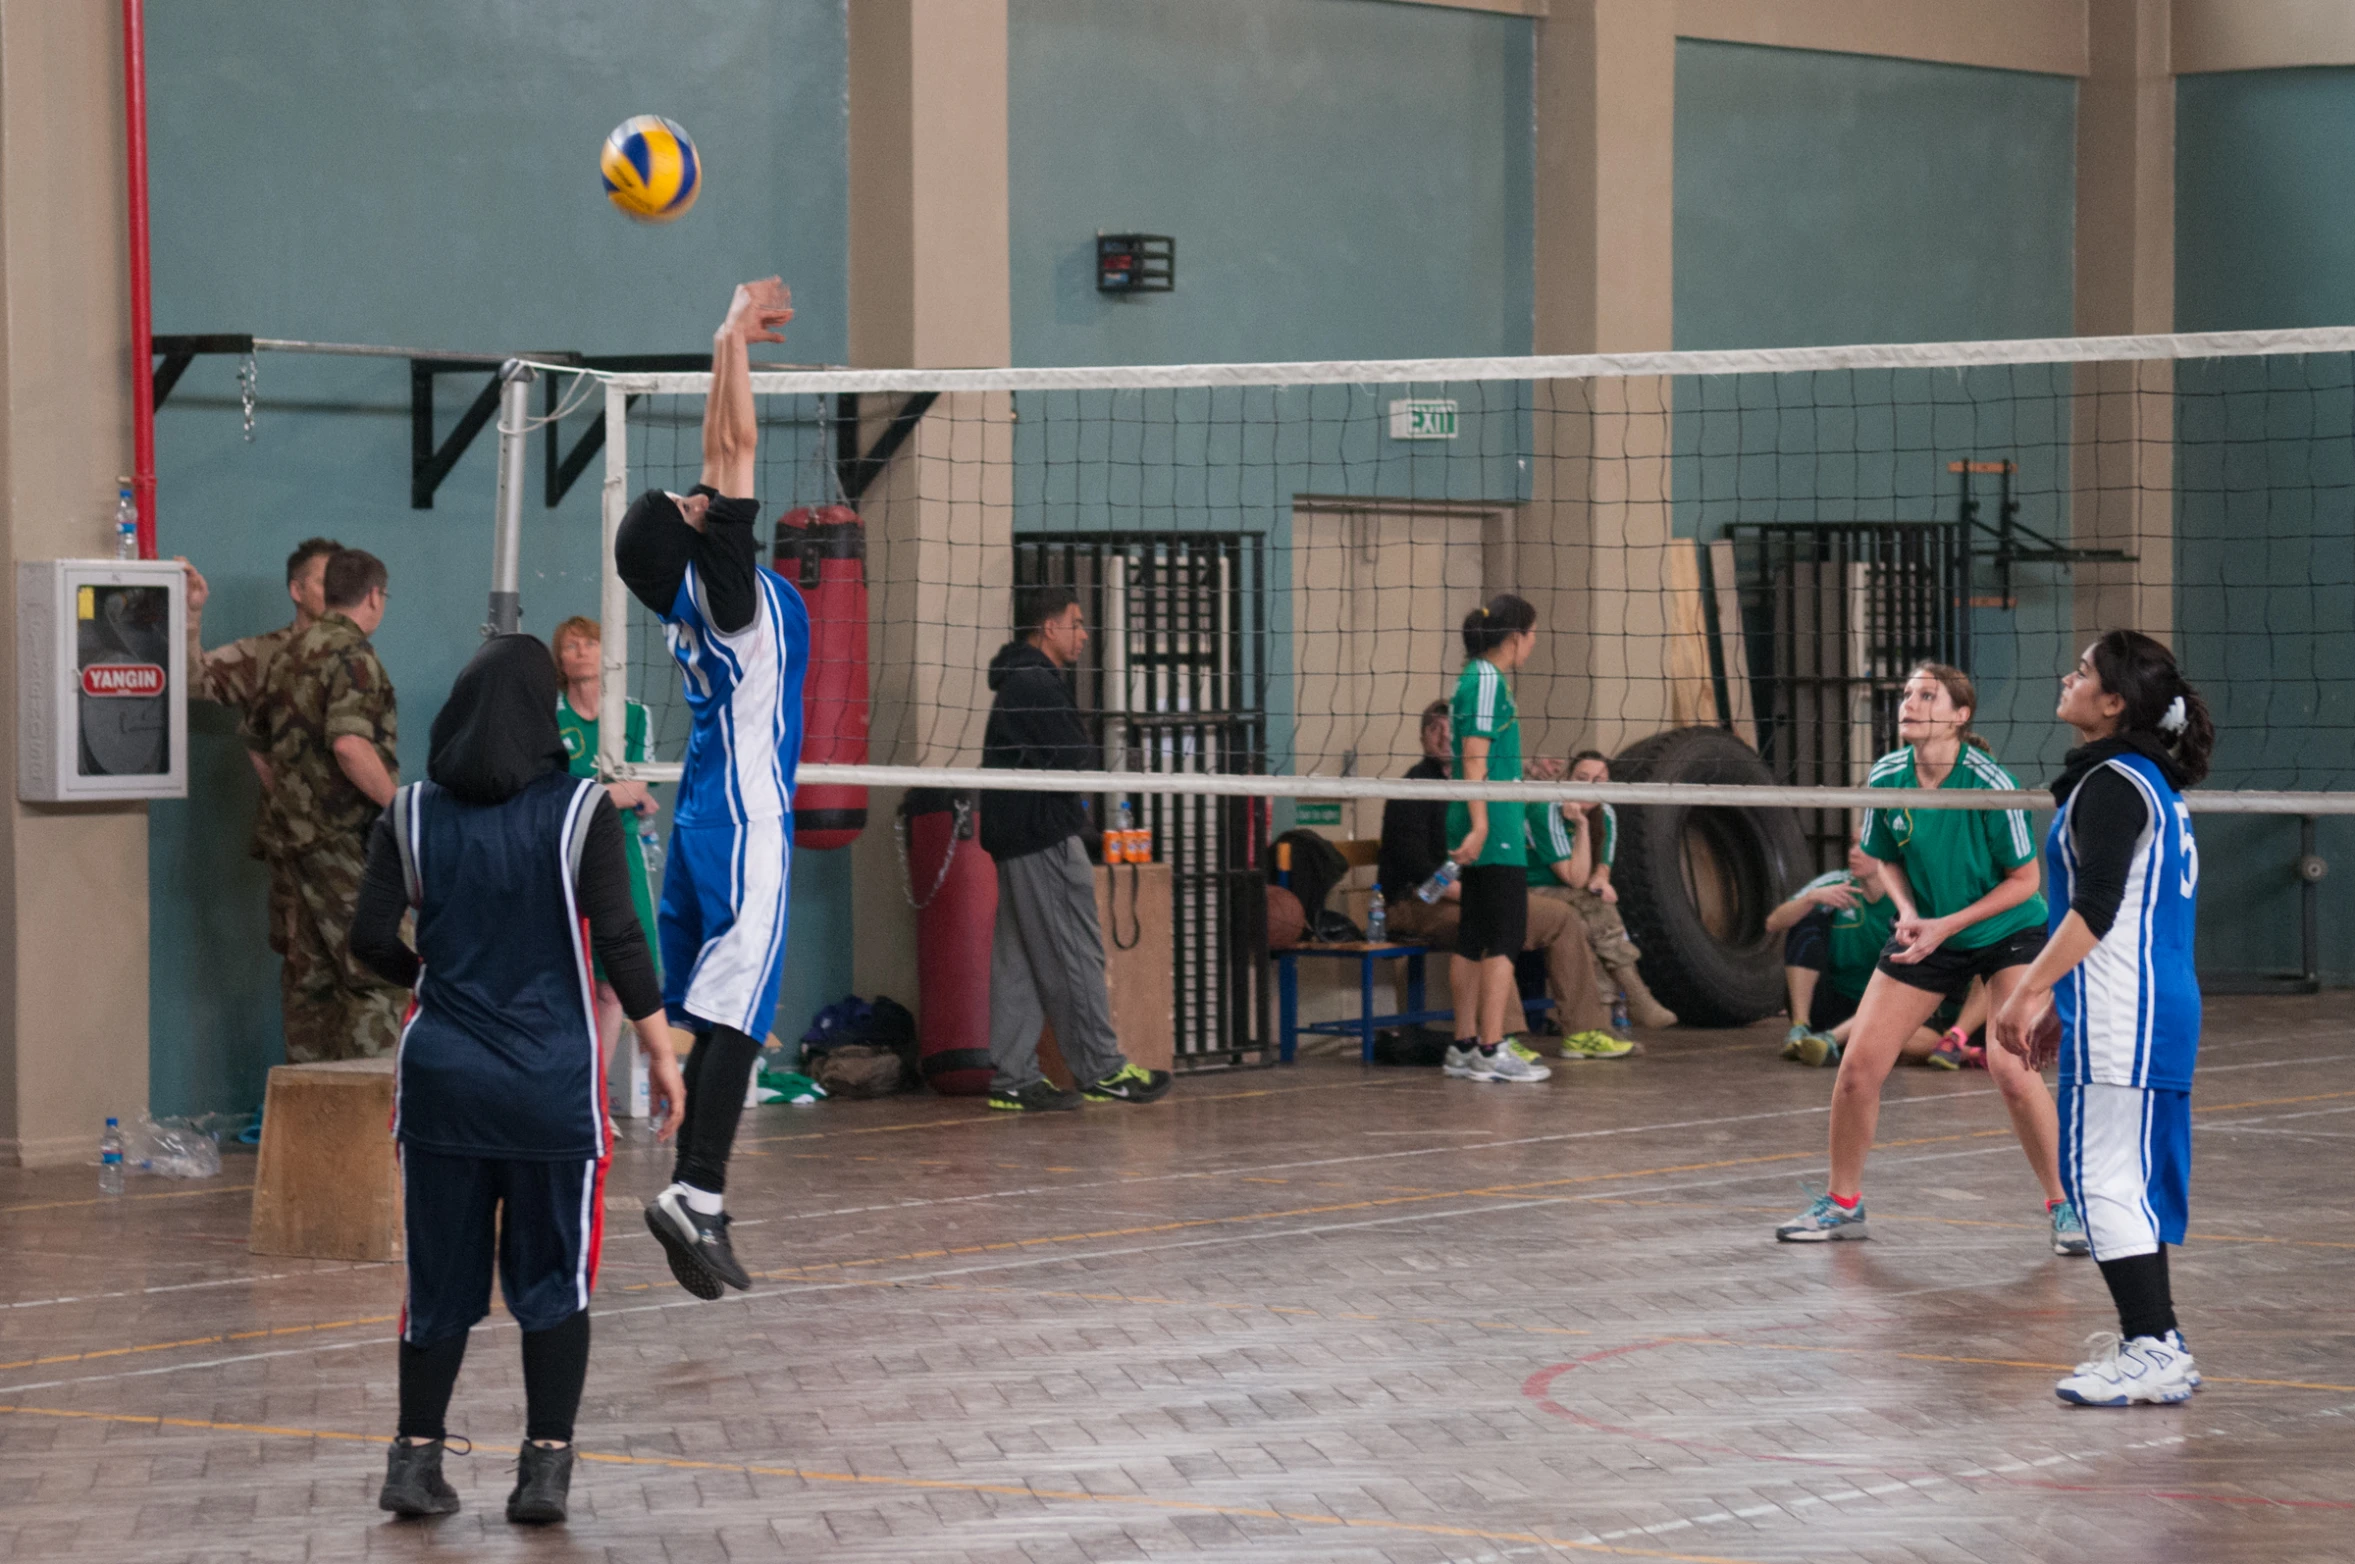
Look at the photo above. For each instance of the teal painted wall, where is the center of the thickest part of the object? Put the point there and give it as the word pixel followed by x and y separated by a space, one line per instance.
pixel 1343 180
pixel 1836 198
pixel 2265 577
pixel 425 175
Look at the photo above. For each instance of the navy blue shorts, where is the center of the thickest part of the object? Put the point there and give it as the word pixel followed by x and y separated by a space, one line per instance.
pixel 539 1224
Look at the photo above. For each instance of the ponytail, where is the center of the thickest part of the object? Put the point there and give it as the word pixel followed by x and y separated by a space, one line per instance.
pixel 2160 702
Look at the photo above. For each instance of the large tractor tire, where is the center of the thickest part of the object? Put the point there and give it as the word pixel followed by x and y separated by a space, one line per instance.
pixel 1695 884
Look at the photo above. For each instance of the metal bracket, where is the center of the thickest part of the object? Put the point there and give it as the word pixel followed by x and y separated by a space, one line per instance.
pixel 429 463
pixel 2009 532
pixel 854 470
pixel 178 352
pixel 564 468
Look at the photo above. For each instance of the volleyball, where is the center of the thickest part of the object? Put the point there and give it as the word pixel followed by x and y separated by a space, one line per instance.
pixel 650 168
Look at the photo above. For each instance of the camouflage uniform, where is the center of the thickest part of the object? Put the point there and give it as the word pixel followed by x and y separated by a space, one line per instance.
pixel 233 676
pixel 326 684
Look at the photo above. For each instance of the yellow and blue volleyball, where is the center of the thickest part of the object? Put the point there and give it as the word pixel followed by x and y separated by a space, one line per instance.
pixel 650 168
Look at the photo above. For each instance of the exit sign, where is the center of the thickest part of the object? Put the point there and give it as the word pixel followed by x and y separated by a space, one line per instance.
pixel 1324 812
pixel 1425 418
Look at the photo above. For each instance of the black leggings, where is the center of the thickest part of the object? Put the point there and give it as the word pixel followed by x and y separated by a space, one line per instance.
pixel 555 1366
pixel 718 1072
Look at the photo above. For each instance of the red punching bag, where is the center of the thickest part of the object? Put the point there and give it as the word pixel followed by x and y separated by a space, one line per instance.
pixel 954 885
pixel 824 553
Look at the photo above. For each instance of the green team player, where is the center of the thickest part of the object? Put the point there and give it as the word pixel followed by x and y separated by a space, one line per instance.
pixel 579 644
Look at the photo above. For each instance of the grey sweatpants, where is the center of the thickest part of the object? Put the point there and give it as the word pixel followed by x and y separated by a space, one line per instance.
pixel 1046 964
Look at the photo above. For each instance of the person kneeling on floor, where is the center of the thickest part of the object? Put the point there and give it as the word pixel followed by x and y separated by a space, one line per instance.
pixel 500 1105
pixel 1833 932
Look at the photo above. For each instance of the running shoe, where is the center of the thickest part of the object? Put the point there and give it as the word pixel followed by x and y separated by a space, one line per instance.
pixel 1819 1050
pixel 1130 1083
pixel 543 1482
pixel 2191 1370
pixel 1520 1047
pixel 1502 1064
pixel 1040 1096
pixel 1462 1060
pixel 701 1258
pixel 1595 1045
pixel 2119 1373
pixel 1791 1041
pixel 1952 1053
pixel 1824 1221
pixel 2068 1231
pixel 413 1481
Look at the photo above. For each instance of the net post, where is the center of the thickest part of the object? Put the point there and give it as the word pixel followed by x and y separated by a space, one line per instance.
pixel 506 608
pixel 614 599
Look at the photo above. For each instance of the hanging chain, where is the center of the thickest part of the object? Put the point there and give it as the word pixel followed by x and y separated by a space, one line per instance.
pixel 246 378
pixel 963 805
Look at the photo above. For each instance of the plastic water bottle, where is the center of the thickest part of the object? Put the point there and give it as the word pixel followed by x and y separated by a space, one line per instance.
pixel 126 523
pixel 1436 886
pixel 650 848
pixel 1377 920
pixel 110 1159
pixel 1618 1012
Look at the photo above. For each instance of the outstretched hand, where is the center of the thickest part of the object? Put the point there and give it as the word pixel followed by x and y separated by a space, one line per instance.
pixel 759 310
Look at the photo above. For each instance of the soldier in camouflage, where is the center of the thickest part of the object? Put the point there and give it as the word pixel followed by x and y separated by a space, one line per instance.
pixel 233 676
pixel 329 737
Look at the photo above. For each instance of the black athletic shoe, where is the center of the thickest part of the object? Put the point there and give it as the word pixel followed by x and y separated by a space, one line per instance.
pixel 696 1245
pixel 1040 1096
pixel 1130 1084
pixel 543 1481
pixel 413 1484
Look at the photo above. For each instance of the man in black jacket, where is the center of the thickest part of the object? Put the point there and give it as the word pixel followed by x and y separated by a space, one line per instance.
pixel 1047 957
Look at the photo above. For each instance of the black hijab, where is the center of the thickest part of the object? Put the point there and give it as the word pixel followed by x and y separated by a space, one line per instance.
pixel 496 734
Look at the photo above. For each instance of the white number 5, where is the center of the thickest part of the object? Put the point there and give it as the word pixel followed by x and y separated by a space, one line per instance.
pixel 2191 848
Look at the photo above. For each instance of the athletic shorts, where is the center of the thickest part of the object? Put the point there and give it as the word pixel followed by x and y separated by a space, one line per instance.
pixel 1809 947
pixel 2126 1164
pixel 1495 910
pixel 722 924
pixel 538 1224
pixel 1949 971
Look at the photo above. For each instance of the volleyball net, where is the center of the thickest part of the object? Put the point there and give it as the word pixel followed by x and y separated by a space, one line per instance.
pixel 1275 560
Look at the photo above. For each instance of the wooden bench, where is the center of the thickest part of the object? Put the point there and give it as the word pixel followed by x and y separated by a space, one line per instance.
pixel 328 1187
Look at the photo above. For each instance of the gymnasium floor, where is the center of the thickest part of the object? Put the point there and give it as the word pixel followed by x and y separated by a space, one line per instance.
pixel 1316 1314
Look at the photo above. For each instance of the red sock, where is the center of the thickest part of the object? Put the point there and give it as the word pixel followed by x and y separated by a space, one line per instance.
pixel 1848 1202
pixel 2051 1205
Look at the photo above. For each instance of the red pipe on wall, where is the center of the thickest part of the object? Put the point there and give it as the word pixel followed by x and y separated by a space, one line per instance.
pixel 142 323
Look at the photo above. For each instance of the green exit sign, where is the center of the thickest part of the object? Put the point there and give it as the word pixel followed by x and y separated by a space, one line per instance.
pixel 1323 812
pixel 1423 418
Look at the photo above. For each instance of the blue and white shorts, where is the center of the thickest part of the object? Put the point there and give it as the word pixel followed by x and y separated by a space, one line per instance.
pixel 2126 1163
pixel 722 924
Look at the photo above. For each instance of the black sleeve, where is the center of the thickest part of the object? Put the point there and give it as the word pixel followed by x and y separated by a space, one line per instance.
pixel 376 917
pixel 614 931
pixel 1043 725
pixel 1414 841
pixel 2106 820
pixel 655 547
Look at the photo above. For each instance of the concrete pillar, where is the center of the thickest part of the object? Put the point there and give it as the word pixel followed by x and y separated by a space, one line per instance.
pixel 2122 460
pixel 73 878
pixel 930 288
pixel 1595 533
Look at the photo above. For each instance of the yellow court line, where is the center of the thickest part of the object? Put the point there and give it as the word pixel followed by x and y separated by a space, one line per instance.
pixel 116 1200
pixel 920 1484
pixel 96 1353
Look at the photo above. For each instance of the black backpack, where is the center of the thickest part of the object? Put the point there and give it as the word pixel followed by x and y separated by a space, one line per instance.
pixel 1317 866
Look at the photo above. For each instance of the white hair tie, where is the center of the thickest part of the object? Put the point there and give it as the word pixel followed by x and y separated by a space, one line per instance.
pixel 2175 718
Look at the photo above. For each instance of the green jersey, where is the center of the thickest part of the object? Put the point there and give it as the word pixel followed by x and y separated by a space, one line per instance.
pixel 1952 857
pixel 1551 841
pixel 1859 934
pixel 1483 709
pixel 580 744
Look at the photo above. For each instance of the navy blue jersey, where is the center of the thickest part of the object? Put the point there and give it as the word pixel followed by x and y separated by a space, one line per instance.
pixel 744 693
pixel 499 1057
pixel 2130 1012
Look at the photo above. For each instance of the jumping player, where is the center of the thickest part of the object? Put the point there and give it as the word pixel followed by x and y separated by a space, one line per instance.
pixel 1965 885
pixel 2114 992
pixel 500 1105
pixel 741 637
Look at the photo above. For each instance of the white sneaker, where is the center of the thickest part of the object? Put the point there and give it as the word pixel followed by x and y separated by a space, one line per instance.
pixel 2120 1373
pixel 1506 1065
pixel 1462 1063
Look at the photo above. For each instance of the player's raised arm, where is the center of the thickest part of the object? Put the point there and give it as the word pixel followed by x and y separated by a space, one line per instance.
pixel 731 429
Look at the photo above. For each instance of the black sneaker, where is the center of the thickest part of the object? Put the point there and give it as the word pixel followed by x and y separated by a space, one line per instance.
pixel 543 1481
pixel 1040 1096
pixel 413 1483
pixel 696 1245
pixel 1130 1083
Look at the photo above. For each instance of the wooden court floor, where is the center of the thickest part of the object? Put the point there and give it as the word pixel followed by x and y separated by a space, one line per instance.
pixel 1325 1313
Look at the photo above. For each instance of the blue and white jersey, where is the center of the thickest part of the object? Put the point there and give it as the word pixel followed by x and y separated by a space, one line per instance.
pixel 744 692
pixel 2130 1012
